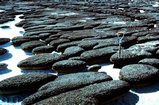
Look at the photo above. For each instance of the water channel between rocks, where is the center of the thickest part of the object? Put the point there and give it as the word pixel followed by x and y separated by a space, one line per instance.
pixel 144 96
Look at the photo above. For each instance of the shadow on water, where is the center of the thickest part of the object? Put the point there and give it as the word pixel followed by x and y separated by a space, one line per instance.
pixel 5 45
pixel 14 98
pixel 128 99
pixel 147 89
pixel 6 56
pixel 5 71
pixel 41 71
pixel 21 32
pixel 29 53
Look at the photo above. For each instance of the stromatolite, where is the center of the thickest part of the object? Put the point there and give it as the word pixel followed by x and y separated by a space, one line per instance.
pixel 24 82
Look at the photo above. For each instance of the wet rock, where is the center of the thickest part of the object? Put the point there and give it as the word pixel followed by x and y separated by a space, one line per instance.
pixel 99 93
pixel 4 40
pixel 72 51
pixel 3 66
pixel 24 83
pixel 94 68
pixel 150 61
pixel 30 45
pixel 69 66
pixel 97 56
pixel 139 74
pixel 40 61
pixel 43 49
pixel 67 82
pixel 3 51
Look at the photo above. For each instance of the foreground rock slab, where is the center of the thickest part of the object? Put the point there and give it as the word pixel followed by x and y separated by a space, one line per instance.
pixel 95 94
pixel 139 74
pixel 24 83
pixel 65 83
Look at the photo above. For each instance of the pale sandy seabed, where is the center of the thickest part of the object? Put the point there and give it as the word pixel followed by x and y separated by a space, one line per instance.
pixel 143 96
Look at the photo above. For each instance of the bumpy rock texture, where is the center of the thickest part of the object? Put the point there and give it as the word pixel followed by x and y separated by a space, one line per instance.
pixel 139 74
pixel 40 61
pixel 66 83
pixel 69 66
pixel 92 28
pixel 24 83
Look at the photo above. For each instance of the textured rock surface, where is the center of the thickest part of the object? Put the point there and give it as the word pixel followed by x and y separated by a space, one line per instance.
pixel 30 45
pixel 3 51
pixel 4 40
pixel 72 51
pixel 43 49
pixel 101 93
pixel 94 68
pixel 40 61
pixel 101 55
pixel 139 74
pixel 66 83
pixel 3 66
pixel 150 61
pixel 131 55
pixel 69 66
pixel 24 82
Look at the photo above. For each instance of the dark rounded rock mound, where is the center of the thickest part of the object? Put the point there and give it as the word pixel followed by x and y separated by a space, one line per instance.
pixel 40 61
pixel 150 61
pixel 67 82
pixel 24 82
pixel 139 74
pixel 94 94
pixel 4 40
pixel 43 49
pixel 69 66
pixel 29 46
pixel 72 51
pixel 3 51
